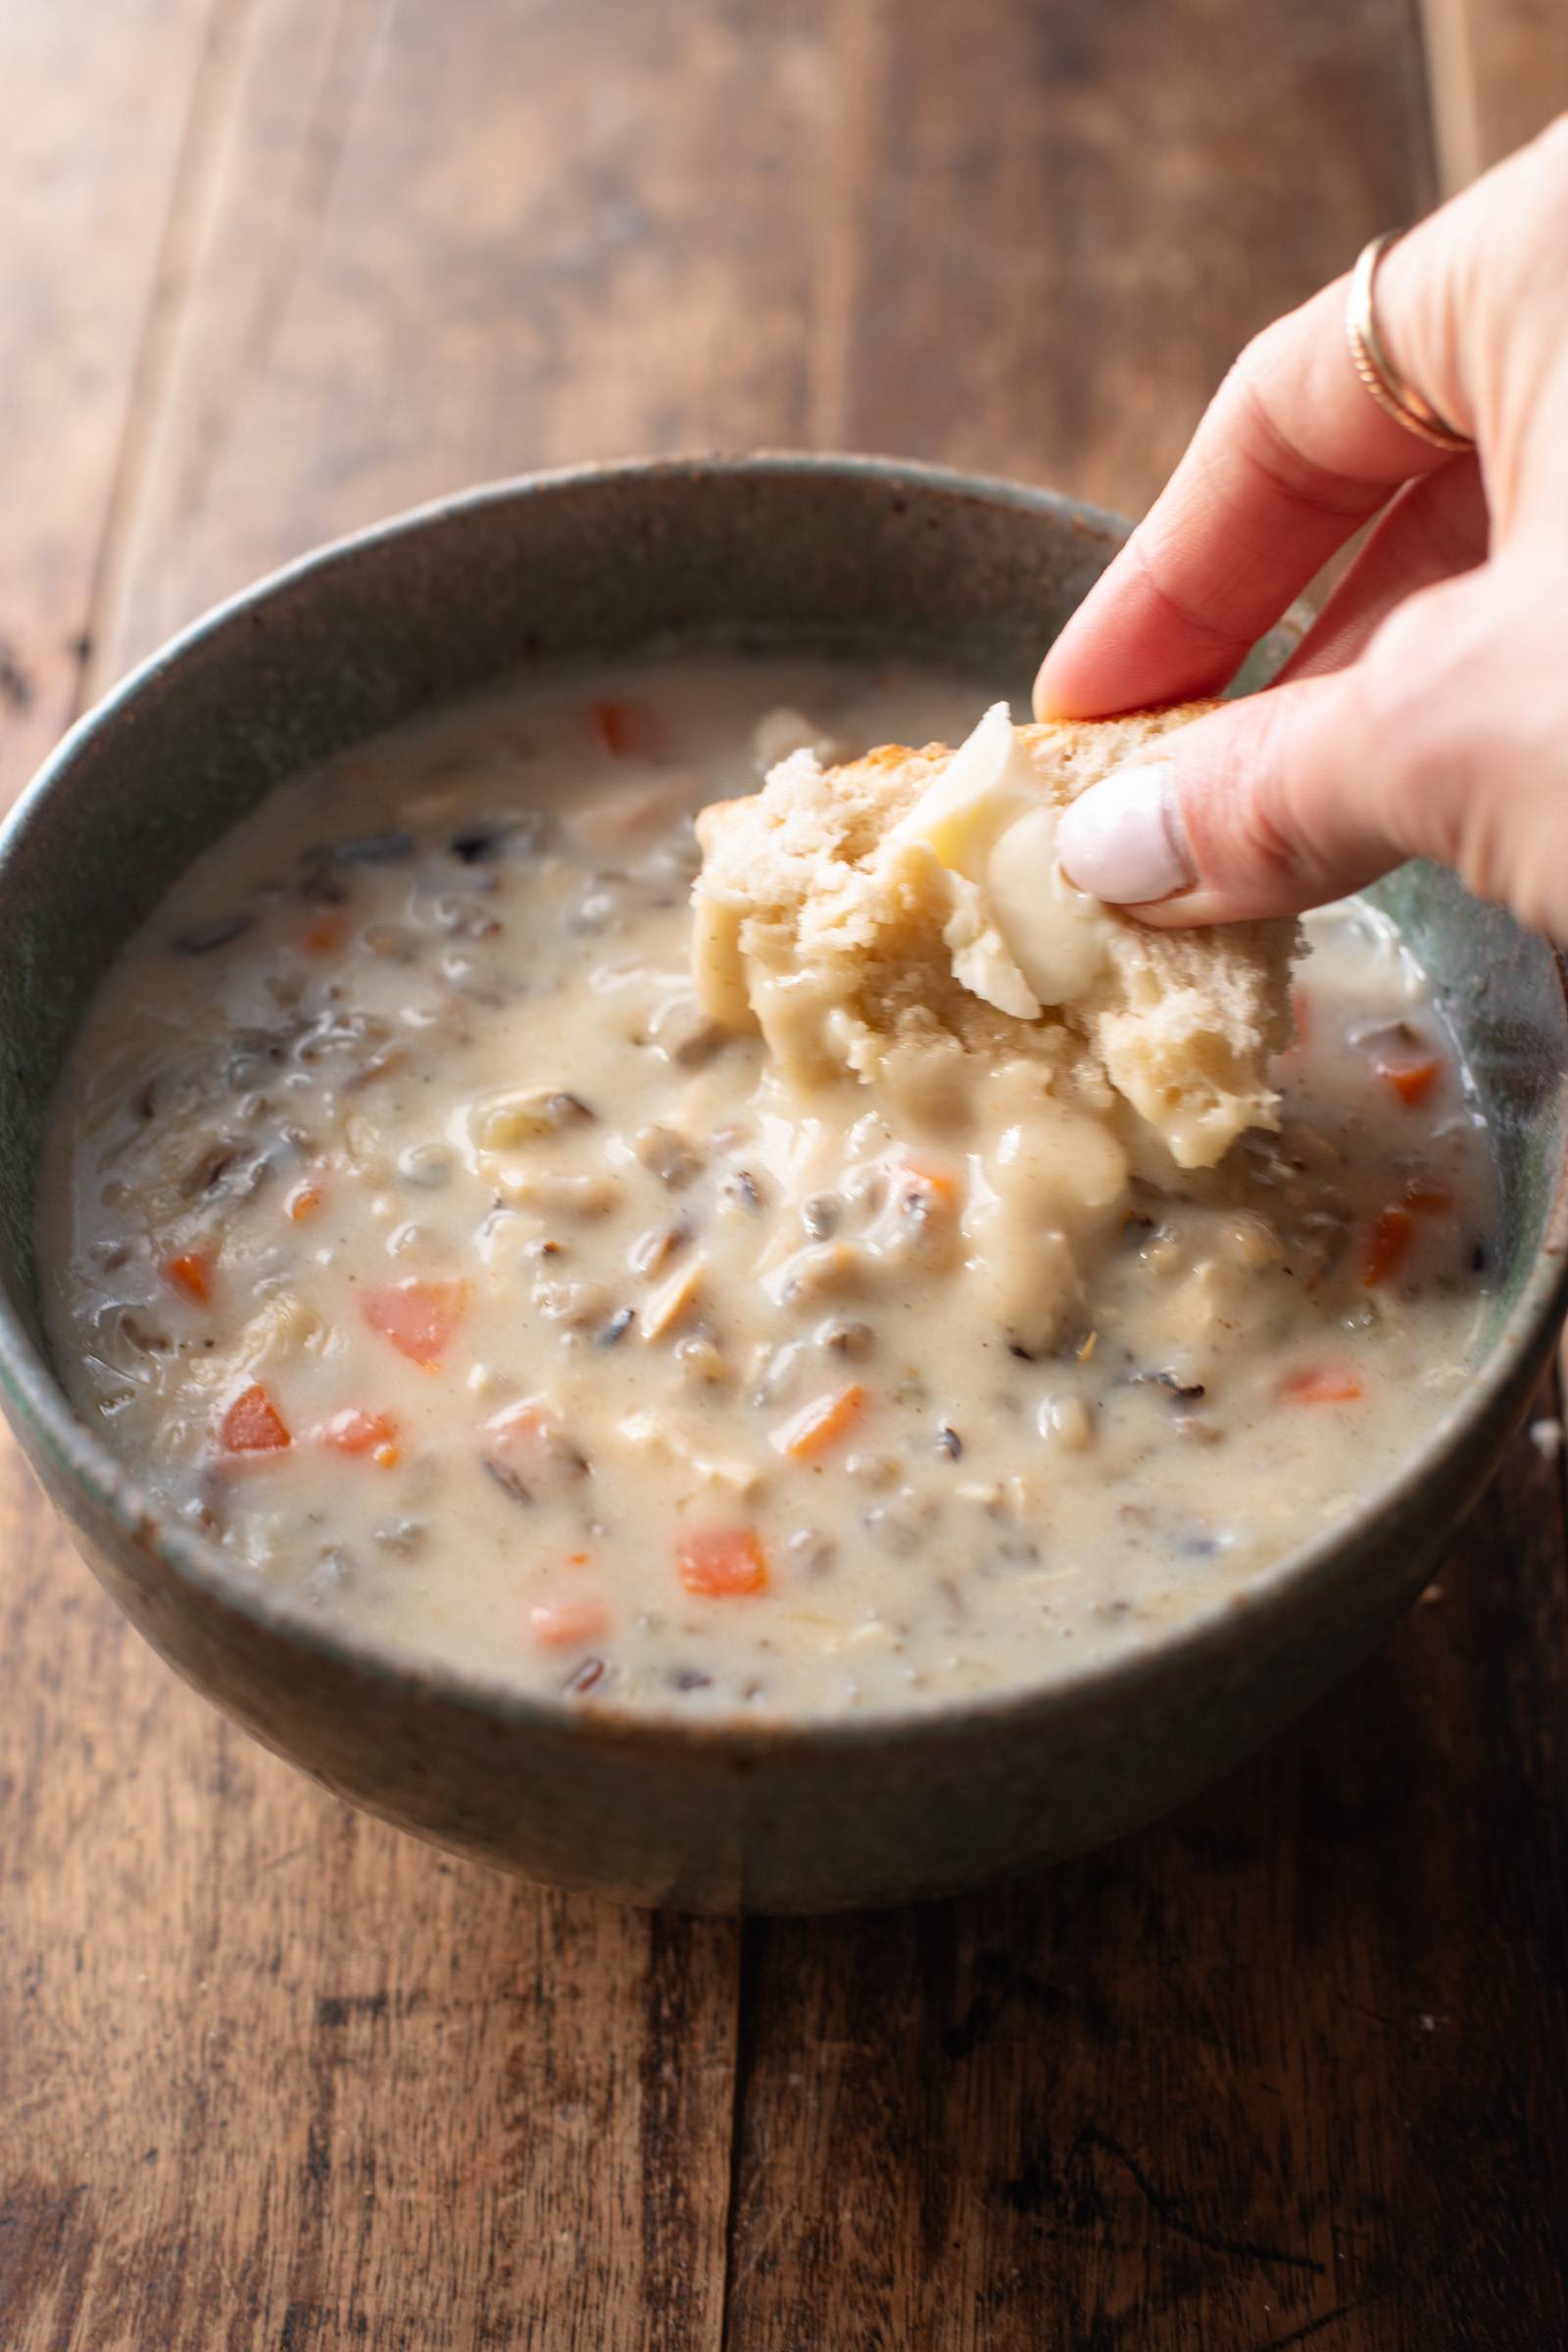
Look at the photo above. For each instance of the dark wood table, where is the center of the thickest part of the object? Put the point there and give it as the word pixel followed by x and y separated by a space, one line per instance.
pixel 1291 2067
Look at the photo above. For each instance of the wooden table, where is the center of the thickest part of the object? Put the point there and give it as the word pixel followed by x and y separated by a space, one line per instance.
pixel 1291 2067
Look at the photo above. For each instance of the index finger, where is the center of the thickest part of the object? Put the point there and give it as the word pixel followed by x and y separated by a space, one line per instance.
pixel 1292 456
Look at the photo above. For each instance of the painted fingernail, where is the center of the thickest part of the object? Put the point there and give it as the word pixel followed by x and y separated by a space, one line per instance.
pixel 1124 841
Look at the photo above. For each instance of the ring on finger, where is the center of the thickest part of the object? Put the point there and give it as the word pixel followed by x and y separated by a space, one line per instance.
pixel 1394 395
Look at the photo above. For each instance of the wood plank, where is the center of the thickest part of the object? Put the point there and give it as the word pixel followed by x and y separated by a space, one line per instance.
pixel 1289 2066
pixel 1206 2088
pixel 1084 211
pixel 507 238
pixel 1499 73
pixel 283 2078
pixel 286 2077
pixel 99 110
pixel 277 2076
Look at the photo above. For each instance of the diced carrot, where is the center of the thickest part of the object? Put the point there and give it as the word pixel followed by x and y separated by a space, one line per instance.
pixel 1411 1081
pixel 820 1424
pixel 1387 1248
pixel 1427 1197
pixel 419 1317
pixel 931 1176
pixel 1321 1384
pixel 191 1272
pixel 356 1431
pixel 578 1559
pixel 328 931
pixel 721 1562
pixel 562 1619
pixel 520 1428
pixel 253 1424
pixel 628 730
pixel 304 1200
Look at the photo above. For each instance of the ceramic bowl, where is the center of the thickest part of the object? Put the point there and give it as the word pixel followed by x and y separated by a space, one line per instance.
pixel 532 576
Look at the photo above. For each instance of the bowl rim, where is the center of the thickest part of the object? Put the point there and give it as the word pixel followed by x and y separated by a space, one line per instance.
pixel 33 1396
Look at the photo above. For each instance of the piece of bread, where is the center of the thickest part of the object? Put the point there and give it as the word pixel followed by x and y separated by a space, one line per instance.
pixel 837 941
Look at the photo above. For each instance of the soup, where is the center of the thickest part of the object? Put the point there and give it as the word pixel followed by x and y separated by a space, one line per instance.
pixel 414 1232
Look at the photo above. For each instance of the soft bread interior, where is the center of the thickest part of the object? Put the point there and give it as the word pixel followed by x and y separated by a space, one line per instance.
pixel 818 922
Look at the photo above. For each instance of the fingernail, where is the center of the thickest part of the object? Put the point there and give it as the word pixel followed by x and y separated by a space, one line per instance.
pixel 1124 841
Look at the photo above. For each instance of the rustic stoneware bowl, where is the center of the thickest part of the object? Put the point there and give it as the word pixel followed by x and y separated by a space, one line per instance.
pixel 800 552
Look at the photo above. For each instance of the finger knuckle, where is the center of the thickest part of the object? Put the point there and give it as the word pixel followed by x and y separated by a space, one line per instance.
pixel 1260 397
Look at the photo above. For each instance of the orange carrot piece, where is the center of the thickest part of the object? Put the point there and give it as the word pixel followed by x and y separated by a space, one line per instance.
pixel 524 1436
pixel 820 1424
pixel 356 1431
pixel 721 1562
pixel 304 1200
pixel 419 1317
pixel 523 1424
pixel 253 1424
pixel 931 1176
pixel 191 1272
pixel 628 730
pixel 1427 1198
pixel 1389 1247
pixel 1411 1081
pixel 564 1620
pixel 328 931
pixel 1321 1384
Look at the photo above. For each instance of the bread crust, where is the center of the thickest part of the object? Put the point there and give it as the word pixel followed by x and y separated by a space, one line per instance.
pixel 812 926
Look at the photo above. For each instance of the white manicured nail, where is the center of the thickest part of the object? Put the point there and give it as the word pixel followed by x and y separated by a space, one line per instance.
pixel 1124 842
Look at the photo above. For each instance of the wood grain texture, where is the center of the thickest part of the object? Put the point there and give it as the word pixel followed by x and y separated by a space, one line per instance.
pixel 1287 2069
pixel 277 2077
pixel 458 242
pixel 1058 224
pixel 1233 2083
pixel 283 2078
pixel 100 117
pixel 1274 2071
pixel 1499 73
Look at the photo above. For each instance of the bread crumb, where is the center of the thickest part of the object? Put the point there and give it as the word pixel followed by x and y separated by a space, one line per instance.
pixel 856 951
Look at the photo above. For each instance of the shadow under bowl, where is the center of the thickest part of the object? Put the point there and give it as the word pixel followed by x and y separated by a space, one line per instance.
pixel 847 556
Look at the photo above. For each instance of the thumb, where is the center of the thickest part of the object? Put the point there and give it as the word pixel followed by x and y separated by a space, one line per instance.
pixel 1265 806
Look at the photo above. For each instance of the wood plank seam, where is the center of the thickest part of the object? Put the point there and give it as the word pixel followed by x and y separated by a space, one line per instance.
pixel 1447 29
pixel 1243 1997
pixel 746 1988
pixel 324 140
pixel 215 94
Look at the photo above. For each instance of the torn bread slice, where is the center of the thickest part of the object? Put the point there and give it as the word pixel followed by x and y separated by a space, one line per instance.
pixel 902 917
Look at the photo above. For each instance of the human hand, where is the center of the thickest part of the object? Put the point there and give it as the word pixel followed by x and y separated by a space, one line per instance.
pixel 1426 713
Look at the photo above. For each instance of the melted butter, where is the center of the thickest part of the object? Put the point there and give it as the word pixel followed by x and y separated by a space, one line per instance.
pixel 1023 936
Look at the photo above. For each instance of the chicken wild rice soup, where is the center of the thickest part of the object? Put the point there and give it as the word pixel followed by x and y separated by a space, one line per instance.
pixel 413 1230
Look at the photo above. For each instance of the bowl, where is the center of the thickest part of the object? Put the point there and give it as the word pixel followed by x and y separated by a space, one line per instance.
pixel 846 554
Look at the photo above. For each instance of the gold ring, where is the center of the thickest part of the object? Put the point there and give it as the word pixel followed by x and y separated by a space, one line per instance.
pixel 1393 395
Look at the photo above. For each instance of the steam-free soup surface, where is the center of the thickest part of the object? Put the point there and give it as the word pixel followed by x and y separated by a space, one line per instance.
pixel 414 1234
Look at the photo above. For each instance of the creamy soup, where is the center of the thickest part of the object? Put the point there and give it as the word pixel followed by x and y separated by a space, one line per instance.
pixel 415 1233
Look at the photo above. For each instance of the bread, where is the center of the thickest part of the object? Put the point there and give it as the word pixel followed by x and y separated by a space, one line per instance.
pixel 856 948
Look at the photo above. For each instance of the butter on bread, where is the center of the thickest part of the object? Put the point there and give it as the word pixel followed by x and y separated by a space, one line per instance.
pixel 902 917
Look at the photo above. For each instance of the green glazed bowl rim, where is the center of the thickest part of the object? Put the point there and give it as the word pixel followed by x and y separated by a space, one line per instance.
pixel 33 1396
